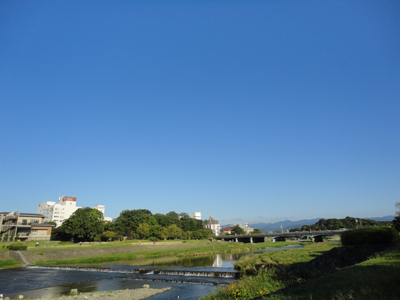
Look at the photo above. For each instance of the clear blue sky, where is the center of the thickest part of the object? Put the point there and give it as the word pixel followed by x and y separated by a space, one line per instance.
pixel 254 111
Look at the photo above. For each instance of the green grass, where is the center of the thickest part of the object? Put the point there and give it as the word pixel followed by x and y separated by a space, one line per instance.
pixel 272 278
pixel 9 263
pixel 54 245
pixel 290 257
pixel 208 248
pixel 375 279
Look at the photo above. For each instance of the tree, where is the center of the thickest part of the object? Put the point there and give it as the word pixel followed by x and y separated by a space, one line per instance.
pixel 256 231
pixel 173 231
pixel 238 230
pixel 130 234
pixel 173 215
pixel 396 221
pixel 164 220
pixel 143 230
pixel 189 224
pixel 183 215
pixel 108 236
pixel 156 231
pixel 130 220
pixel 83 225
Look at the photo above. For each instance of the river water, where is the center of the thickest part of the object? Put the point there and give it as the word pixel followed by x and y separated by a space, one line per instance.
pixel 190 278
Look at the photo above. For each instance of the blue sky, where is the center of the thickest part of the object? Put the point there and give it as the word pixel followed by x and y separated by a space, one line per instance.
pixel 254 111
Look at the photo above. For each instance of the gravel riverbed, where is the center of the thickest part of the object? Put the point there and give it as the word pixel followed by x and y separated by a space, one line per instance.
pixel 135 294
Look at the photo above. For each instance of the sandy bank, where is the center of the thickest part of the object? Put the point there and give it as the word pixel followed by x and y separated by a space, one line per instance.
pixel 135 294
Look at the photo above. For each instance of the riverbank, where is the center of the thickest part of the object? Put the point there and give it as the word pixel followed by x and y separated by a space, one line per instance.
pixel 142 252
pixel 315 272
pixel 135 294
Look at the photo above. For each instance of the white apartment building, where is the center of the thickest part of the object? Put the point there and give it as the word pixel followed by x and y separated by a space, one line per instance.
pixel 196 215
pixel 102 208
pixel 214 226
pixel 58 212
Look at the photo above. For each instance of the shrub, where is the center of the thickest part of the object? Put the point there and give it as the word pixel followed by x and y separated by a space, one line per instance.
pixel 7 263
pixel 97 238
pixel 370 236
pixel 16 247
pixel 65 243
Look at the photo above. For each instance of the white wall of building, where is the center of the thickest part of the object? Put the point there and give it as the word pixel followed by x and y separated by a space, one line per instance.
pixel 58 212
pixel 101 208
pixel 196 215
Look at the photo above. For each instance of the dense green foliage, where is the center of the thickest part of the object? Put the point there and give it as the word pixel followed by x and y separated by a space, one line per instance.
pixel 396 223
pixel 370 236
pixel 348 222
pixel 83 225
pixel 17 247
pixel 9 263
pixel 238 230
pixel 142 224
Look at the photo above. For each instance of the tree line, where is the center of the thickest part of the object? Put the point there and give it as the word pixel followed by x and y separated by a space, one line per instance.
pixel 336 224
pixel 86 224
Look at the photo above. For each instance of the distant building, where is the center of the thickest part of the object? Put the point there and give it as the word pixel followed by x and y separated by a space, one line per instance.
pixel 24 226
pixel 102 209
pixel 247 229
pixel 226 230
pixel 196 215
pixel 58 212
pixel 213 225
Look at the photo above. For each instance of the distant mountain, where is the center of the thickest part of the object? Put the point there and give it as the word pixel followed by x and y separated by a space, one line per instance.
pixel 287 224
pixel 385 218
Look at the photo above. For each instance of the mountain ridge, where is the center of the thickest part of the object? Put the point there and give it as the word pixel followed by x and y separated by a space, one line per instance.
pixel 288 224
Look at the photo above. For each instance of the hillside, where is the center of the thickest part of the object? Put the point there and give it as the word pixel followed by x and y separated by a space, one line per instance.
pixel 287 224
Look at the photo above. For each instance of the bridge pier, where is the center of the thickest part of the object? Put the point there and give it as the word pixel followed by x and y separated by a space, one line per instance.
pixel 251 240
pixel 236 240
pixel 318 239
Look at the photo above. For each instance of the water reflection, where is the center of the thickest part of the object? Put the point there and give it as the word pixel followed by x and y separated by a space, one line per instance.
pixel 216 262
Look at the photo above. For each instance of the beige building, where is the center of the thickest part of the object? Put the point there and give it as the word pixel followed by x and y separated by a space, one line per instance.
pixel 24 227
pixel 214 226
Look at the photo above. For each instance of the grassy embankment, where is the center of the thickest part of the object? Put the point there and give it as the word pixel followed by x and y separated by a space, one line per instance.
pixel 9 263
pixel 52 245
pixel 198 249
pixel 376 278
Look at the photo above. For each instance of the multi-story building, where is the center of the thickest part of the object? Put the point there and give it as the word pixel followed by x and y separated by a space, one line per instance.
pixel 102 208
pixel 247 229
pixel 196 215
pixel 213 225
pixel 58 212
pixel 226 230
pixel 24 227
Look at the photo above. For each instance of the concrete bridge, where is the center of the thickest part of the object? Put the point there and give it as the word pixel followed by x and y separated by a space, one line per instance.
pixel 315 236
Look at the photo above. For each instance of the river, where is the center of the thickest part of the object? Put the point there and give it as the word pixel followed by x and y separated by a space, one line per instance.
pixel 191 278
